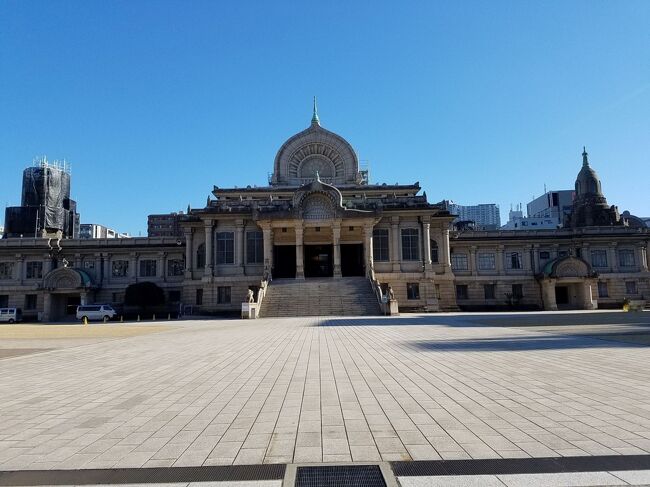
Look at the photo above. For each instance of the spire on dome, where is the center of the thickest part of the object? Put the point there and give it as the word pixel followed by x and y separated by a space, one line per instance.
pixel 585 161
pixel 314 118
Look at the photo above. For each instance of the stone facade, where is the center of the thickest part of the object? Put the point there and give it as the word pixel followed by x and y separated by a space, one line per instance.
pixel 320 217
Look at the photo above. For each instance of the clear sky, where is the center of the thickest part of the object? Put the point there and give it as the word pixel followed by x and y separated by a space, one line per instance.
pixel 154 102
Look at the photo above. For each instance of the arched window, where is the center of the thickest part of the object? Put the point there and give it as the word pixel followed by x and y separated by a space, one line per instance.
pixel 434 251
pixel 200 256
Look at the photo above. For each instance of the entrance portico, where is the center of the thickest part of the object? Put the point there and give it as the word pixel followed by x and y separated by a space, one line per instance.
pixel 567 283
pixel 66 288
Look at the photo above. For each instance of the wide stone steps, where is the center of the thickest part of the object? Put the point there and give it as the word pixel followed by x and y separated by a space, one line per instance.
pixel 347 296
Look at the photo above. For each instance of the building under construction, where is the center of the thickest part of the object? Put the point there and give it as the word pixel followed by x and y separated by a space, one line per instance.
pixel 46 209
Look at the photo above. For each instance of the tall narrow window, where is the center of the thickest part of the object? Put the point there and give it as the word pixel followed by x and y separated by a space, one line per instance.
pixel 412 290
pixel 489 291
pixel 199 297
pixel 602 289
pixel 486 261
pixel 34 270
pixel 517 291
pixel 223 295
pixel 630 287
pixel 254 247
pixel 147 268
pixel 513 260
pixel 200 256
pixel 380 245
pixel 462 292
pixel 626 258
pixel 434 251
pixel 459 262
pixel 599 258
pixel 225 248
pixel 410 244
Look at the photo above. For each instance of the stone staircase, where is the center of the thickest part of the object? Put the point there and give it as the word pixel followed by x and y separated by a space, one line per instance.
pixel 346 296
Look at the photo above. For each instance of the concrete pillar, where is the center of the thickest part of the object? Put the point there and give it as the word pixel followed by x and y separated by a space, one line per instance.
pixel 445 257
pixel 641 257
pixel 133 264
pixel 300 258
pixel 587 296
pixel 472 260
pixel 426 237
pixel 47 307
pixel 162 266
pixel 527 259
pixel 613 258
pixel 209 238
pixel 189 252
pixel 336 240
pixel 267 233
pixel 395 256
pixel 239 244
pixel 536 268
pixel 500 260
pixel 548 294
pixel 367 250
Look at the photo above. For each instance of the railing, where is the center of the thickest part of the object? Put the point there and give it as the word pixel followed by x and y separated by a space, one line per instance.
pixel 252 310
pixel 382 299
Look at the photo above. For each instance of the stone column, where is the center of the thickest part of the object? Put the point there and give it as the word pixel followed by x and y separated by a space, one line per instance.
pixel 209 237
pixel 395 257
pixel 133 264
pixel 19 268
pixel 189 252
pixel 267 233
pixel 548 294
pixel 527 259
pixel 336 240
pixel 426 237
pixel 47 307
pixel 300 259
pixel 161 265
pixel 239 245
pixel 613 258
pixel 640 257
pixel 536 269
pixel 445 258
pixel 587 297
pixel 472 260
pixel 368 253
pixel 107 267
pixel 499 258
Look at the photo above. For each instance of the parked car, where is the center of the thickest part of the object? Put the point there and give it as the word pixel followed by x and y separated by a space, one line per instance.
pixel 10 315
pixel 95 312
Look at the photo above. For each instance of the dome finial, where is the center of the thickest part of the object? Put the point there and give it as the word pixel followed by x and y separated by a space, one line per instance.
pixel 314 118
pixel 585 161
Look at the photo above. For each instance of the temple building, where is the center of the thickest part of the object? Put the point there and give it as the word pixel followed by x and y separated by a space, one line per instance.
pixel 322 239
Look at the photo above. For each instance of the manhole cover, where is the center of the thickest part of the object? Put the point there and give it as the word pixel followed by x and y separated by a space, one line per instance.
pixel 340 476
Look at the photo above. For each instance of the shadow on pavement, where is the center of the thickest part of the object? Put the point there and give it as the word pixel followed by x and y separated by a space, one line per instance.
pixel 520 344
pixel 494 319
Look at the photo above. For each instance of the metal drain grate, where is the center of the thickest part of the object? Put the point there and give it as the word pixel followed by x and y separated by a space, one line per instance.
pixel 340 476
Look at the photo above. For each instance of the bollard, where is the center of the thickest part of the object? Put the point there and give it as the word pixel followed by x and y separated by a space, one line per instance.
pixel 138 318
pixel 153 318
pixel 169 316
pixel 121 318
pixel 85 320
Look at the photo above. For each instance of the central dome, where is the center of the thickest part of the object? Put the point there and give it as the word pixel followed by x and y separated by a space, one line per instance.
pixel 315 151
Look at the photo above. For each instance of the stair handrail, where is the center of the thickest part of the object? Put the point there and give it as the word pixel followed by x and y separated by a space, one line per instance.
pixel 382 298
pixel 266 280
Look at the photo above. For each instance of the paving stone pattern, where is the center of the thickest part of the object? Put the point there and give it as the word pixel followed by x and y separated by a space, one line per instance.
pixel 324 390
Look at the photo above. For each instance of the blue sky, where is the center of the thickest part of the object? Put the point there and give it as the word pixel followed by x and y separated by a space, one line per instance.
pixel 154 102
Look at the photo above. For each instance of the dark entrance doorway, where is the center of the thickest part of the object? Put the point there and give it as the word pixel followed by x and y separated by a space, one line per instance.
pixel 284 261
pixel 71 305
pixel 318 261
pixel 562 295
pixel 352 260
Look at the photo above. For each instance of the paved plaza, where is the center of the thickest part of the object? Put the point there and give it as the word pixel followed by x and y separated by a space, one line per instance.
pixel 370 389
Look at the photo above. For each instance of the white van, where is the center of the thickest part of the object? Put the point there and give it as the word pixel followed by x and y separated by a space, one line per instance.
pixel 95 312
pixel 10 315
